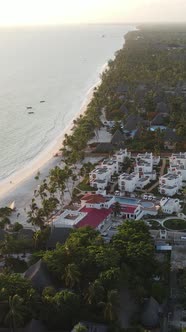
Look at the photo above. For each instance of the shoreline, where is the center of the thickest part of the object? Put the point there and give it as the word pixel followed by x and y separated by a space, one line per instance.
pixel 41 161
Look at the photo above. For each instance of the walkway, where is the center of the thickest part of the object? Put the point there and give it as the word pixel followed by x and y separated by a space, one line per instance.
pixel 161 173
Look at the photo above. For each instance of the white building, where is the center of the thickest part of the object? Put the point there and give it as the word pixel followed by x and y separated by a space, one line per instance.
pixel 142 182
pixel 178 158
pixel 128 182
pixel 100 185
pixel 131 211
pixel 178 164
pixel 121 155
pixel 68 219
pixel 100 173
pixel 171 179
pixel 170 205
pixel 143 167
pixel 112 164
pixel 97 201
pixel 168 190
pixel 148 157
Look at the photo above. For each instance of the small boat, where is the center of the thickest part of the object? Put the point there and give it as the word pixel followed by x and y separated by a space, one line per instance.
pixel 29 107
pixel 42 101
pixel 12 206
pixel 103 36
pixel 30 112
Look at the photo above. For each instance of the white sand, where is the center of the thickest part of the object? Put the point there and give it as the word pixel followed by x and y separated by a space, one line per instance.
pixel 20 186
pixel 12 182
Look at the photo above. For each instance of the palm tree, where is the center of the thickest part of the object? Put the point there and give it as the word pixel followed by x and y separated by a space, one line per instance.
pixel 109 306
pixel 117 209
pixel 71 275
pixel 94 293
pixel 15 313
pixel 80 328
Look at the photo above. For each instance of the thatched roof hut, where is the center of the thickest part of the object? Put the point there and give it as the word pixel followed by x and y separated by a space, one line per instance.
pixel 39 275
pixel 150 317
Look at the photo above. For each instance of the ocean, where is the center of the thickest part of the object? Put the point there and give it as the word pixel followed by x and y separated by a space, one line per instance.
pixel 57 65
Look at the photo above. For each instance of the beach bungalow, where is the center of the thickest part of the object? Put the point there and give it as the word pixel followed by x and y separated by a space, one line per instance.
pixel 118 139
pixel 39 275
pixel 170 138
pixel 150 316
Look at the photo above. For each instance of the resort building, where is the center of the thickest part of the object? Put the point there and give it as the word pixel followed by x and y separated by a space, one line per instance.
pixel 178 164
pixel 128 182
pixel 121 155
pixel 170 184
pixel 99 184
pixel 112 164
pixel 170 205
pixel 144 165
pixel 68 219
pixel 178 158
pixel 96 218
pixel 142 182
pixel 100 177
pixel 97 201
pixel 131 211
pixel 148 157
pixel 170 179
pixel 168 190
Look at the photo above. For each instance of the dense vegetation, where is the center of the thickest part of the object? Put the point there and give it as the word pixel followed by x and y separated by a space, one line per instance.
pixel 88 276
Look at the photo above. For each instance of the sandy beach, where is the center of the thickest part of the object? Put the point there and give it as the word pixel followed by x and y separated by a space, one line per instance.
pixel 20 186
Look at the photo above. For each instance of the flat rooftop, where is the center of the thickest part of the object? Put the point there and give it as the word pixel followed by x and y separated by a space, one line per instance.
pixel 170 176
pixel 168 187
pixel 100 170
pixel 143 179
pixel 68 218
pixel 181 155
pixel 128 177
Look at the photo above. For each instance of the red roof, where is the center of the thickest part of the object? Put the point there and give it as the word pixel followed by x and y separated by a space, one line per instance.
pixel 93 198
pixel 94 217
pixel 128 208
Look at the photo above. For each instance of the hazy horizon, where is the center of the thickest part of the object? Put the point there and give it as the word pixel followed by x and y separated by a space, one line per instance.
pixel 57 12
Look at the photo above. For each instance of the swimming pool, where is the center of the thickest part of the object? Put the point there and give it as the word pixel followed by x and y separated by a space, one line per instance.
pixel 134 201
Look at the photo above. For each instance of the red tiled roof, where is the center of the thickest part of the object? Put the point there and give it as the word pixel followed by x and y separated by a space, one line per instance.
pixel 128 208
pixel 94 217
pixel 93 198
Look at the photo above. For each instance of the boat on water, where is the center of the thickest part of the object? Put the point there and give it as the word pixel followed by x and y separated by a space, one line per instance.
pixel 42 101
pixel 29 107
pixel 30 112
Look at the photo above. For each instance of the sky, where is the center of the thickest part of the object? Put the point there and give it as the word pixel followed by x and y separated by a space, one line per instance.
pixel 42 12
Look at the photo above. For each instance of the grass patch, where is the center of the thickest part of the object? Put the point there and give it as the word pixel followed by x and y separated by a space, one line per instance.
pixel 175 224
pixel 155 224
pixel 85 187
